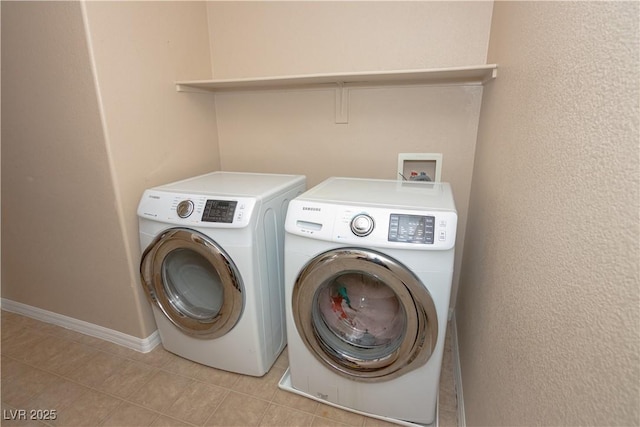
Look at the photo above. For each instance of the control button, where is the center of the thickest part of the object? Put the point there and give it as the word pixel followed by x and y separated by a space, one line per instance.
pixel 185 208
pixel 362 225
pixel 442 235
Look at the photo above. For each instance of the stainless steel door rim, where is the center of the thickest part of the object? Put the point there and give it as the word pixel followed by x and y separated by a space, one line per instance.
pixel 219 284
pixel 353 357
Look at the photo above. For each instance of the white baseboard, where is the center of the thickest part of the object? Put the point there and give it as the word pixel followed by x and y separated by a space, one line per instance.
pixel 143 345
pixel 457 372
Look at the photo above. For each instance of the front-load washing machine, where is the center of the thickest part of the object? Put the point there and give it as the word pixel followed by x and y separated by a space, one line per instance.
pixel 368 272
pixel 212 266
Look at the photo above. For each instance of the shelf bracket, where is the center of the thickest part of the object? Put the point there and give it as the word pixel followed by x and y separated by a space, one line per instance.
pixel 187 88
pixel 342 104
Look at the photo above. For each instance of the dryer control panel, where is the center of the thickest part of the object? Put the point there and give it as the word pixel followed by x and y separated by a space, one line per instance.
pixel 196 209
pixel 373 226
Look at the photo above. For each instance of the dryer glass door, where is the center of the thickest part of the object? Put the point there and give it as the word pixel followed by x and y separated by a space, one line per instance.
pixel 193 282
pixel 364 315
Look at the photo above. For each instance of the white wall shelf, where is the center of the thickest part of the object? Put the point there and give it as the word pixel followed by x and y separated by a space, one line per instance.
pixel 459 75
pixel 341 82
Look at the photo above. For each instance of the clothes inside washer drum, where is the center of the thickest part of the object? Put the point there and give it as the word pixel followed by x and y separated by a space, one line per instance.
pixel 361 310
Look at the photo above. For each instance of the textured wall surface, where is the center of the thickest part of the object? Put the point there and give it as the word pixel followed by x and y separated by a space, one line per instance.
pixel 548 307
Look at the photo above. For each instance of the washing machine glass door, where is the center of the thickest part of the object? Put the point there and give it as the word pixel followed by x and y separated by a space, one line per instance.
pixel 194 282
pixel 364 315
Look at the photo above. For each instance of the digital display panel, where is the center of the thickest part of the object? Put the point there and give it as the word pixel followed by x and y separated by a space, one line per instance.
pixel 219 211
pixel 411 228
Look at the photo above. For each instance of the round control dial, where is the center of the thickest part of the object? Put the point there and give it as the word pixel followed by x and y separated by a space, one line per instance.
pixel 185 208
pixel 362 225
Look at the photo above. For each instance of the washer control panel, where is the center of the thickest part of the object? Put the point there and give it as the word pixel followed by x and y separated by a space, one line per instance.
pixel 373 226
pixel 412 228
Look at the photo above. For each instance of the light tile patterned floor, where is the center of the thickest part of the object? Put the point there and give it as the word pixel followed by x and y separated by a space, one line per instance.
pixel 91 382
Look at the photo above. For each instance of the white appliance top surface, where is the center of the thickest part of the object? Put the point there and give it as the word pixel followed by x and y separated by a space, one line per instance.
pixel 383 193
pixel 233 184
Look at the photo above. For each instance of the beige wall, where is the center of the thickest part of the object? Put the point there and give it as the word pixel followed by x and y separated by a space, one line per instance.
pixel 548 308
pixel 294 131
pixel 282 38
pixel 154 134
pixel 56 183
pixel 86 128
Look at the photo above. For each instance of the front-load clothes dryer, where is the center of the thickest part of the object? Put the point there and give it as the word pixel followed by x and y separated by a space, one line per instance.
pixel 212 266
pixel 368 272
